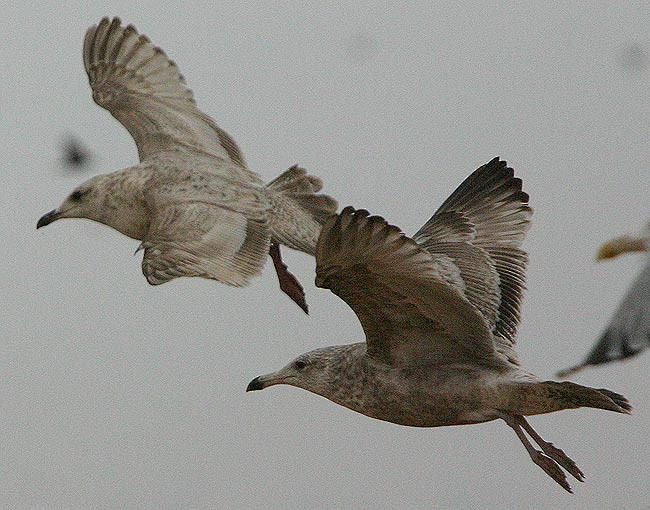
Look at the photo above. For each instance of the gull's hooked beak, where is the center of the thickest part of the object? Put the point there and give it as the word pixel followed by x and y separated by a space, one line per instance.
pixel 48 218
pixel 264 381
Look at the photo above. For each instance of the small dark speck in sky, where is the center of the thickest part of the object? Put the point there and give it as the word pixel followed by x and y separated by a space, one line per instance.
pixel 75 155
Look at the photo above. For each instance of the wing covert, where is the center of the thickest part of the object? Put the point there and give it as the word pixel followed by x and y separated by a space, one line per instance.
pixel 408 305
pixel 205 239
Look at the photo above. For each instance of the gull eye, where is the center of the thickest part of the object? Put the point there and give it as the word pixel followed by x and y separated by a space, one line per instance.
pixel 300 365
pixel 76 195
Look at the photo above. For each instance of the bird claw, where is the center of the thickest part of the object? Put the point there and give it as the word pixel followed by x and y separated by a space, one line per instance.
pixel 552 469
pixel 563 460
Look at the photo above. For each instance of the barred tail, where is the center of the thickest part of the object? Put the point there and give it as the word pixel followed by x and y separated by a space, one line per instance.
pixel 298 212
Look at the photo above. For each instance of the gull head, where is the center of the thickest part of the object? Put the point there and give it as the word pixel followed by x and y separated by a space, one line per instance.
pixel 311 371
pixel 85 201
pixel 112 199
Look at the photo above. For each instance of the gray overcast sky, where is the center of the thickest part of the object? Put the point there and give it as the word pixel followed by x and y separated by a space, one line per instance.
pixel 115 394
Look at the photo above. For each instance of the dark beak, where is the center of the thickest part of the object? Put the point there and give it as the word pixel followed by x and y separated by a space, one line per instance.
pixel 255 385
pixel 48 218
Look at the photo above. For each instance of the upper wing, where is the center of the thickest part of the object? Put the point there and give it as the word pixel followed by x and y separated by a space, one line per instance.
pixel 206 239
pixel 481 227
pixel 628 333
pixel 410 306
pixel 144 90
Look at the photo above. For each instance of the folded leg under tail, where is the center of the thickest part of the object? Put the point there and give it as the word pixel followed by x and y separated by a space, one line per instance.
pixel 289 284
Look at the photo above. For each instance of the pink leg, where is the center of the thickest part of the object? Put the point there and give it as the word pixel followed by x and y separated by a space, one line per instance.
pixel 549 466
pixel 555 453
pixel 289 284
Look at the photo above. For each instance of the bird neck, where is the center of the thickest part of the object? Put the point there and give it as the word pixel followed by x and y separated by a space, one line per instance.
pixel 348 379
pixel 123 205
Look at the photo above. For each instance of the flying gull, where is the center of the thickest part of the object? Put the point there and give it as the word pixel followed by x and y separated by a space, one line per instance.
pixel 192 201
pixel 440 312
pixel 628 332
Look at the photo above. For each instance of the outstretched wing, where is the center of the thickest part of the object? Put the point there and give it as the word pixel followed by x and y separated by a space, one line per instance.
pixel 138 84
pixel 410 306
pixel 205 239
pixel 480 227
pixel 628 333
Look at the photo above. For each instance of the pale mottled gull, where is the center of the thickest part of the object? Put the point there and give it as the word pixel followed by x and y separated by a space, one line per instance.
pixel 628 332
pixel 440 312
pixel 192 201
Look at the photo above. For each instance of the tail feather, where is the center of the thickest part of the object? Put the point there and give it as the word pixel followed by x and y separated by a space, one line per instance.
pixel 298 212
pixel 618 399
pixel 296 180
pixel 550 396
pixel 575 395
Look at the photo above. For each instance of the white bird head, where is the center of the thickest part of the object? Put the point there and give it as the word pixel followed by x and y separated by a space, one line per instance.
pixel 112 199
pixel 85 201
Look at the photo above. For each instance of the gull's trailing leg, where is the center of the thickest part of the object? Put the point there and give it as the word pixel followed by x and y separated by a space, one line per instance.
pixel 549 466
pixel 555 453
pixel 289 284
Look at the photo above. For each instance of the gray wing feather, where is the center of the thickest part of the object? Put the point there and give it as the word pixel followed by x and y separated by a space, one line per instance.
pixel 481 227
pixel 138 84
pixel 628 332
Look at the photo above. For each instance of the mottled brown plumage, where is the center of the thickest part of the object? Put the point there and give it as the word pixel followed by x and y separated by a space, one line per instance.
pixel 440 313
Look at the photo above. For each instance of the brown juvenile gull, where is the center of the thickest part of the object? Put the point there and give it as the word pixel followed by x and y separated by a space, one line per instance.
pixel 628 332
pixel 192 201
pixel 440 312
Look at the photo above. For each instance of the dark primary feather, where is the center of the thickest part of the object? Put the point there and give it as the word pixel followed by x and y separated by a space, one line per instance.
pixel 490 212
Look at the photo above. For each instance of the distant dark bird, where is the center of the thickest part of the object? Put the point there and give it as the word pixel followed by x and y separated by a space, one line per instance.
pixel 192 201
pixel 628 332
pixel 75 155
pixel 440 311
